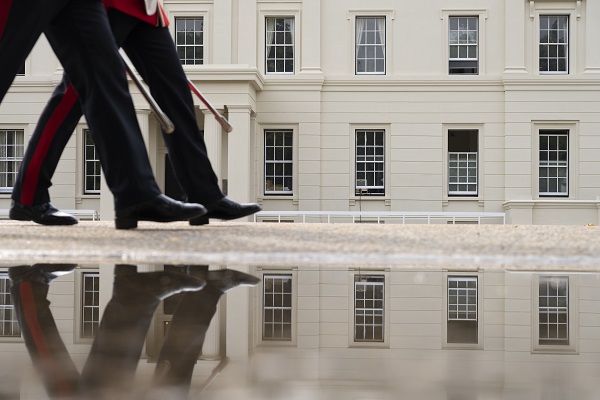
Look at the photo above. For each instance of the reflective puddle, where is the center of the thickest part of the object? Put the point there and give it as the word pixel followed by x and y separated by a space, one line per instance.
pixel 299 332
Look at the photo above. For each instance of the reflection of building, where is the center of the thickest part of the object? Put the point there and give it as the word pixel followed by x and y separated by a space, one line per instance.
pixel 335 107
pixel 430 333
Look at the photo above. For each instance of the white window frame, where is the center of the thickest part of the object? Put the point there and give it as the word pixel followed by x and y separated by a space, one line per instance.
pixel 293 275
pixel 558 166
pixel 573 175
pixel 275 45
pixel 481 49
pixel 353 194
pixel 390 16
pixel 446 128
pixel 363 190
pixel 567 45
pixel 78 309
pixel 460 45
pixel 550 8
pixel 478 275
pixel 178 45
pixel 4 308
pixel 385 274
pixel 573 316
pixel 15 159
pixel 261 162
pixel 263 14
pixel 358 43
pixel 95 320
pixel 204 11
pixel 287 143
pixel 95 161
pixel 454 161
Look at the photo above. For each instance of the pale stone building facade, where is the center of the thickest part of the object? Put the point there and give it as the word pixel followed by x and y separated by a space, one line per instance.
pixel 385 106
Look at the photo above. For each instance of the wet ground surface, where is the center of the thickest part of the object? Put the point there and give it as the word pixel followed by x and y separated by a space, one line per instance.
pixel 484 246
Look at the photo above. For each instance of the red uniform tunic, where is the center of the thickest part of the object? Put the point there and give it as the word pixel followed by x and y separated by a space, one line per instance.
pixel 137 8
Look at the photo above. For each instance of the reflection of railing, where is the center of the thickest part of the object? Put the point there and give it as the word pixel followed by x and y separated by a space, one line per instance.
pixel 399 217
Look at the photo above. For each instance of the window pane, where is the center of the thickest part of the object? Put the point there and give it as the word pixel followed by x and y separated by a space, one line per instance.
pixel 370 162
pixel 189 40
pixel 370 45
pixel 554 42
pixel 90 306
pixel 369 311
pixel 279 45
pixel 553 310
pixel 463 38
pixel 92 167
pixel 278 162
pixel 277 307
pixel 553 162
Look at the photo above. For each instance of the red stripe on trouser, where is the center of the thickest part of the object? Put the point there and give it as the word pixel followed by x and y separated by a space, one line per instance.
pixel 33 171
pixel 37 334
pixel 4 10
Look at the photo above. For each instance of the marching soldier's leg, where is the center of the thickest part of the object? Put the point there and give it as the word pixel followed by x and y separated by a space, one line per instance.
pixel 31 200
pixel 21 24
pixel 46 348
pixel 81 38
pixel 154 55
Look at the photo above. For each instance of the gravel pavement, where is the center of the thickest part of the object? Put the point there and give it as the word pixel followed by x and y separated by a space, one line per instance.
pixel 520 247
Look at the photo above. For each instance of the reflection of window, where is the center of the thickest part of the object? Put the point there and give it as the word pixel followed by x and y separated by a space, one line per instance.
pixel 189 38
pixel 369 308
pixel 91 162
pixel 463 37
pixel 554 310
pixel 11 155
pixel 90 301
pixel 278 161
pixel 462 309
pixel 370 162
pixel 554 44
pixel 277 307
pixel 370 45
pixel 279 43
pixel 9 326
pixel 462 162
pixel 554 163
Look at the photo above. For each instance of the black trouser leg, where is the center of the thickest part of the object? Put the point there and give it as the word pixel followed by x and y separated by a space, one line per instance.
pixel 152 51
pixel 55 126
pixel 81 38
pixel 21 24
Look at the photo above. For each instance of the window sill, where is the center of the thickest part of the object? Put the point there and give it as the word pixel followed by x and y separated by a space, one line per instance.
pixel 462 346
pixel 570 350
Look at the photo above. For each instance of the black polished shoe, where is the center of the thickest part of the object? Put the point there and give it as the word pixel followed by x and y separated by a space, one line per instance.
pixel 226 209
pixel 45 214
pixel 159 209
pixel 159 284
pixel 39 273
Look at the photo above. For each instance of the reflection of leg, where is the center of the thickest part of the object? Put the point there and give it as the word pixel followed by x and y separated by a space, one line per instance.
pixel 118 345
pixel 46 348
pixel 191 319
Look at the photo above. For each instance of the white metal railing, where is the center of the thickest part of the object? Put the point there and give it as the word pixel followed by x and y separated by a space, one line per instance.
pixel 402 217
